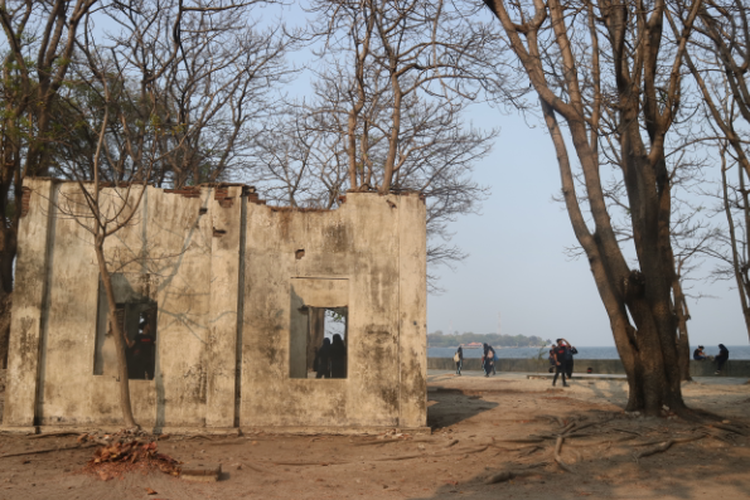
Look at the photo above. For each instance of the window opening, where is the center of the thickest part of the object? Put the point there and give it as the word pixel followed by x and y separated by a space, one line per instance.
pixel 319 329
pixel 136 315
pixel 330 354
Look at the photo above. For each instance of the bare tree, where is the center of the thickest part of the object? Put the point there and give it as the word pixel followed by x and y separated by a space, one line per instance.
pixel 391 84
pixel 584 58
pixel 38 43
pixel 719 61
pixel 381 61
pixel 195 78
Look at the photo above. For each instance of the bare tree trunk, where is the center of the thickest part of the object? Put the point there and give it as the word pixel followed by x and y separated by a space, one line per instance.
pixel 119 338
pixel 683 340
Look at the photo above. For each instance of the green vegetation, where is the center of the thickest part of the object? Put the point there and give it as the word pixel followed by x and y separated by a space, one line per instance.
pixel 437 339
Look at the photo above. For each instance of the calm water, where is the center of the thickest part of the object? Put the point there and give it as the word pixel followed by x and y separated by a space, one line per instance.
pixel 735 352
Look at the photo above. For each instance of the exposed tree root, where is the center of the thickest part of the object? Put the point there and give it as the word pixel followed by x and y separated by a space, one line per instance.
pixel 730 428
pixel 651 438
pixel 665 445
pixel 558 458
pixel 464 451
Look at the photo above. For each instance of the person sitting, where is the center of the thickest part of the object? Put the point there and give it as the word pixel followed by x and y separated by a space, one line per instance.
pixel 721 358
pixel 699 355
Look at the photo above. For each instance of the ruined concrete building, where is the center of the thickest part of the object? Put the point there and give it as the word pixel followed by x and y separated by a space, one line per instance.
pixel 237 296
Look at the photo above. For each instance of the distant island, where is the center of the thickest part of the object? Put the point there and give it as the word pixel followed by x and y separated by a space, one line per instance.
pixel 470 340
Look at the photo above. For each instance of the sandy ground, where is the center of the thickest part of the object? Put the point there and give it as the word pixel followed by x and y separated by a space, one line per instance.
pixel 503 437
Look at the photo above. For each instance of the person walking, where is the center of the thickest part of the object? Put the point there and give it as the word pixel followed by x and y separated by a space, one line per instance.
pixel 488 359
pixel 552 358
pixel 560 364
pixel 494 360
pixel 459 359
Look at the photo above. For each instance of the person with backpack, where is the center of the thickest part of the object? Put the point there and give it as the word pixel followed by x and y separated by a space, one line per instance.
pixel 459 359
pixel 560 361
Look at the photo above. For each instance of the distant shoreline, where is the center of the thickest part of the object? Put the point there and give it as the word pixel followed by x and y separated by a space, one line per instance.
pixel 494 347
pixel 584 352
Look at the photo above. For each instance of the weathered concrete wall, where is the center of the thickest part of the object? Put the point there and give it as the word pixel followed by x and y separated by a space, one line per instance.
pixel 169 254
pixel 352 255
pixel 222 272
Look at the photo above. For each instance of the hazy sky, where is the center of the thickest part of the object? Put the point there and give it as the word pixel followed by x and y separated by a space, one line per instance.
pixel 518 270
pixel 518 273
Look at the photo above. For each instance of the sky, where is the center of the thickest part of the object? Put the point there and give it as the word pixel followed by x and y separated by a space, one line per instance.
pixel 518 278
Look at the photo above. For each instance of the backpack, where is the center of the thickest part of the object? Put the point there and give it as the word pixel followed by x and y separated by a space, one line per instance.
pixel 569 351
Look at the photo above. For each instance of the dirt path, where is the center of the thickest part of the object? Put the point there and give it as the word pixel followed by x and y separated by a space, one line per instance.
pixel 499 437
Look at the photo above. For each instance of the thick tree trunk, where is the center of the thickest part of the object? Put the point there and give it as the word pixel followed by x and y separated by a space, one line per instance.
pixel 647 346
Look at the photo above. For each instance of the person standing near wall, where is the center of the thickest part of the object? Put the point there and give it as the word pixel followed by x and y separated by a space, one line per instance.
pixel 459 359
pixel 338 357
pixel 322 361
pixel 142 349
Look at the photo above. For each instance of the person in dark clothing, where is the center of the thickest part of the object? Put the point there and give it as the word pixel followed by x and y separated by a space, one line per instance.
pixel 569 352
pixel 552 358
pixel 338 357
pixel 459 359
pixel 698 354
pixel 494 359
pixel 488 359
pixel 322 363
pixel 141 362
pixel 721 358
pixel 560 363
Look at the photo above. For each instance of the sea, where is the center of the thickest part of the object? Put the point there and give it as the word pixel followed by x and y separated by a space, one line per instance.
pixel 735 352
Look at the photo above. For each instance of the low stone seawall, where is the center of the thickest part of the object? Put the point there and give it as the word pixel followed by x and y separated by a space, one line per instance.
pixel 732 368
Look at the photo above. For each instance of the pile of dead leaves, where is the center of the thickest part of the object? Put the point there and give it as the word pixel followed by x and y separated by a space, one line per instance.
pixel 127 452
